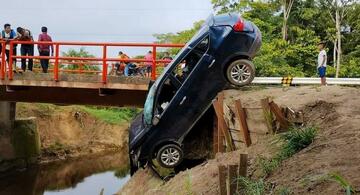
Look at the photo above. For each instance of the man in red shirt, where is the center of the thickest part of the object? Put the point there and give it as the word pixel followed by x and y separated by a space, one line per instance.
pixel 44 49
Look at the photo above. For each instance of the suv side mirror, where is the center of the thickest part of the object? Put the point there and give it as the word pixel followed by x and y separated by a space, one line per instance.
pixel 156 119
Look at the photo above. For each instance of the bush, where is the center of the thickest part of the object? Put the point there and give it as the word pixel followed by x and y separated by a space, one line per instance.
pixel 296 140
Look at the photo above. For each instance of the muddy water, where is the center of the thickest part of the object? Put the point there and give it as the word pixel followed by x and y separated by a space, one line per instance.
pixel 90 175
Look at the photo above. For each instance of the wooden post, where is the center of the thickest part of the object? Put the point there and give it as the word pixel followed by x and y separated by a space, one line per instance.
pixel 267 114
pixel 243 165
pixel 279 115
pixel 242 171
pixel 215 136
pixel 231 182
pixel 222 125
pixel 241 115
pixel 222 180
pixel 221 134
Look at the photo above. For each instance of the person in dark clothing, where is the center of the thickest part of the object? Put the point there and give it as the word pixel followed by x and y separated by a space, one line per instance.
pixel 167 57
pixel 26 49
pixel 44 49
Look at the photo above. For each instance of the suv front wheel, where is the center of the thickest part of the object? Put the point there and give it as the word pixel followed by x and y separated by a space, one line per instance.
pixel 240 72
pixel 169 156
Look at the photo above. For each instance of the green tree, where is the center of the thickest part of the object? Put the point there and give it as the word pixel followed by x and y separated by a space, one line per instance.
pixel 308 24
pixel 71 65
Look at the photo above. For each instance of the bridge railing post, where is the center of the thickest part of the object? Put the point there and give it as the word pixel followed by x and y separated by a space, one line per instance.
pixel 104 71
pixel 10 64
pixel 56 64
pixel 3 62
pixel 153 69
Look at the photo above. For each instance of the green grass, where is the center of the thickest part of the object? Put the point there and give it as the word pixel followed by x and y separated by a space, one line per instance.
pixel 188 186
pixel 343 182
pixel 251 187
pixel 112 115
pixel 292 142
pixel 295 140
pixel 283 191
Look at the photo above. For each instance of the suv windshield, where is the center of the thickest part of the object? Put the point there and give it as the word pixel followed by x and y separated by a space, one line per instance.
pixel 149 105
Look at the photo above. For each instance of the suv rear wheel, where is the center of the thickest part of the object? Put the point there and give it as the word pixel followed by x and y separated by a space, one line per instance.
pixel 240 72
pixel 169 156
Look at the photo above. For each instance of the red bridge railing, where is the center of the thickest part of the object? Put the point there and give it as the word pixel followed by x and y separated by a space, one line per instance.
pixel 7 68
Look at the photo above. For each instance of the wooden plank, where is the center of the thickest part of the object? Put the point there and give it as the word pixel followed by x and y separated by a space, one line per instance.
pixel 220 120
pixel 267 114
pixel 284 124
pixel 215 137
pixel 242 168
pixel 231 182
pixel 241 115
pixel 221 136
pixel 256 126
pixel 243 165
pixel 222 180
pixel 224 129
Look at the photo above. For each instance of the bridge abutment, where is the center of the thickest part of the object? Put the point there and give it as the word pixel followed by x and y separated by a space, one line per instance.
pixel 19 139
pixel 7 115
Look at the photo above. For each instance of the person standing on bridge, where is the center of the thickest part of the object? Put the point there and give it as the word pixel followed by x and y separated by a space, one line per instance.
pixel 149 58
pixel 8 35
pixel 26 49
pixel 321 67
pixel 44 49
pixel 124 62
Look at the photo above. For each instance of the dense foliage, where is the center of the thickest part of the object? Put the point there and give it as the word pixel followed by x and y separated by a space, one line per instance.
pixel 70 65
pixel 309 23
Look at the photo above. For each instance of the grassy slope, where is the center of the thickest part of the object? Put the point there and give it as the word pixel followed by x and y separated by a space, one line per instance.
pixel 112 115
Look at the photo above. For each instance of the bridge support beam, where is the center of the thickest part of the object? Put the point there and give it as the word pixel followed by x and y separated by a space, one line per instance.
pixel 7 115
pixel 19 139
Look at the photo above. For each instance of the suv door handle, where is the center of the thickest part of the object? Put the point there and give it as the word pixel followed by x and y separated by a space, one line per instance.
pixel 212 63
pixel 182 101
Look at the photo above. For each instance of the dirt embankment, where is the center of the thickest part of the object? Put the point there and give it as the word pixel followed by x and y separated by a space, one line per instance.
pixel 69 131
pixel 334 110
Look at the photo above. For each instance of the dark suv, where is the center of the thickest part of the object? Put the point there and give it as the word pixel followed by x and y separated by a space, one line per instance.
pixel 218 55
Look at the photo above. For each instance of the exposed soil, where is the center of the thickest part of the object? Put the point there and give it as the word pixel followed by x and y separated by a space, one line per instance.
pixel 334 110
pixel 68 131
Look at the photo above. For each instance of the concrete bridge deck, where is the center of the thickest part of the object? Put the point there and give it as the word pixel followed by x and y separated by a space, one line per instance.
pixel 86 89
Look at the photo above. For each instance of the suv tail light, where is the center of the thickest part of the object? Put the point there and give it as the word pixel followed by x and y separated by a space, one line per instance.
pixel 239 25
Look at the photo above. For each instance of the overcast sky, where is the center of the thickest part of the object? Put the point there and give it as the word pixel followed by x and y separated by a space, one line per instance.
pixel 105 20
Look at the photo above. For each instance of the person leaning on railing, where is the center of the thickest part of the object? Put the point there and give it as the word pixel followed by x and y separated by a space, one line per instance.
pixel 44 49
pixel 26 49
pixel 8 35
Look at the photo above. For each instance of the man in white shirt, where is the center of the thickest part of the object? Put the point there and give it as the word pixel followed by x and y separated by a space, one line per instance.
pixel 321 67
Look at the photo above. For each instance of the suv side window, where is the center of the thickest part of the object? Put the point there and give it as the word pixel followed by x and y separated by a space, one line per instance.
pixel 179 74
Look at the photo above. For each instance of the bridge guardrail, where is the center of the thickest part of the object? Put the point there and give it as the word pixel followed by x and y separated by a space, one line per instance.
pixel 7 71
pixel 305 81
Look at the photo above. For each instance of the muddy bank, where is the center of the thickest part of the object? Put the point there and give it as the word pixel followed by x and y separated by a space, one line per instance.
pixel 334 110
pixel 70 131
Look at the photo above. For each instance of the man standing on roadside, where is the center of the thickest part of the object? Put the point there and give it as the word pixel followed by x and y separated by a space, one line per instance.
pixel 44 49
pixel 8 35
pixel 26 49
pixel 321 67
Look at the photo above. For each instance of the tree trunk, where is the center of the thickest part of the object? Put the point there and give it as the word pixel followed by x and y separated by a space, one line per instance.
pixel 284 30
pixel 338 37
pixel 335 53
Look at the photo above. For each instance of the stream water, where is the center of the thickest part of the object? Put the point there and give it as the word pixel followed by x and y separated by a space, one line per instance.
pixel 91 175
